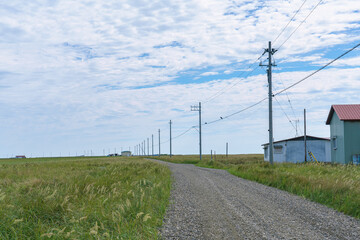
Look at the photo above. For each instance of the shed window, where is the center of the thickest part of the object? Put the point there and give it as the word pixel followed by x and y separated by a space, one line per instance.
pixel 334 143
pixel 278 149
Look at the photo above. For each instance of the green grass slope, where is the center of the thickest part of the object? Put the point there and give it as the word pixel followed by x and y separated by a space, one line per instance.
pixel 82 198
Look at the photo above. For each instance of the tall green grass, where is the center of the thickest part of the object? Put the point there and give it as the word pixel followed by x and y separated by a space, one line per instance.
pixel 336 186
pixel 82 198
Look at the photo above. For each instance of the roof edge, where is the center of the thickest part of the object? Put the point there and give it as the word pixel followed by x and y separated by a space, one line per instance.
pixel 290 139
pixel 331 113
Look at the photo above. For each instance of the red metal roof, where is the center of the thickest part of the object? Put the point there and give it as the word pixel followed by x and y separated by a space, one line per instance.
pixel 346 112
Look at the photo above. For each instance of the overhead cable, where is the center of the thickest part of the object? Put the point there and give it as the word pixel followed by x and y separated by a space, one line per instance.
pixel 313 73
pixel 312 10
pixel 237 112
pixel 289 21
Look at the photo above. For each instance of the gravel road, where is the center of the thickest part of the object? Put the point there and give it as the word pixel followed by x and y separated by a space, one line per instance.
pixel 213 204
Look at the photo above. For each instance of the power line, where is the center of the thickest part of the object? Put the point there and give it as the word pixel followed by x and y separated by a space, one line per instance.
pixel 284 90
pixel 226 88
pixel 288 98
pixel 313 73
pixel 237 112
pixel 177 136
pixel 289 21
pixel 312 10
pixel 285 113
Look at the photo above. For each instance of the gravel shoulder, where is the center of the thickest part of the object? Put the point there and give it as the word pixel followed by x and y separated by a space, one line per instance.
pixel 213 204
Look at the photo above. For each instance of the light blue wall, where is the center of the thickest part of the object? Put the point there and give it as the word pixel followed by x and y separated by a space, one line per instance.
pixel 337 131
pixel 281 156
pixel 352 140
pixel 294 152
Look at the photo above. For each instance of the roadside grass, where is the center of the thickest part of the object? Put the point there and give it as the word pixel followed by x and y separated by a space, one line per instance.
pixel 336 186
pixel 82 198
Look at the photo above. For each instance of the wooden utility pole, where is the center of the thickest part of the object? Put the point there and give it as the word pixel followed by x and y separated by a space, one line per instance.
pixel 270 52
pixel 170 140
pixel 305 135
pixel 159 143
pixel 198 109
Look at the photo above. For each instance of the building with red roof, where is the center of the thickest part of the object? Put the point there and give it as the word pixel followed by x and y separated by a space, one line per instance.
pixel 344 121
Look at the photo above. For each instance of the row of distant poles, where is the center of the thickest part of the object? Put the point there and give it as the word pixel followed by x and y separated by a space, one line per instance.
pixel 140 149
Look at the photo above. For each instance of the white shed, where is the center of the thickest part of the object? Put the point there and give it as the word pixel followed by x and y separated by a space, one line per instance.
pixel 293 149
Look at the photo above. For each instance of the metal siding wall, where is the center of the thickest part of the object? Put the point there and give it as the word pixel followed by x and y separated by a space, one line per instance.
pixel 318 148
pixel 337 129
pixel 280 157
pixel 328 151
pixel 352 139
pixel 295 151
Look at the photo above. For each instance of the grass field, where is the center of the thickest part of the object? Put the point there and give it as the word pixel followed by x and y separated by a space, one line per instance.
pixel 337 186
pixel 82 198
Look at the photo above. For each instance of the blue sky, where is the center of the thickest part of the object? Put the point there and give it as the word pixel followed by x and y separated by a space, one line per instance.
pixel 82 76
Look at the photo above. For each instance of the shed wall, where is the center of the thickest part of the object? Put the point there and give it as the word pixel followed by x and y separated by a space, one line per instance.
pixel 294 152
pixel 352 140
pixel 337 131
pixel 280 157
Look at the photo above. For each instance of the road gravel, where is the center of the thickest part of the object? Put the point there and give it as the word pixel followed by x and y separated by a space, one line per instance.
pixel 213 204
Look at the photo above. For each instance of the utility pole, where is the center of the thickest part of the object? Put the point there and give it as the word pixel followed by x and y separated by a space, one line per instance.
pixel 227 149
pixel 170 140
pixel 159 143
pixel 148 153
pixel 198 109
pixel 144 148
pixel 271 52
pixel 305 135
pixel 152 144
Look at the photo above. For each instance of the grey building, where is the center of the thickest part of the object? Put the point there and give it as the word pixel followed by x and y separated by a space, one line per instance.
pixel 293 149
pixel 126 153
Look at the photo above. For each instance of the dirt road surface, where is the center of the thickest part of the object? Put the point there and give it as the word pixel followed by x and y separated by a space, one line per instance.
pixel 213 204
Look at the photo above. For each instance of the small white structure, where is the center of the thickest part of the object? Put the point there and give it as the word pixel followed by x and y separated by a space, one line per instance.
pixel 126 153
pixel 293 149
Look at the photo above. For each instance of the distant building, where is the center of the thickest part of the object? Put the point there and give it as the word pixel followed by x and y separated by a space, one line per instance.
pixel 344 121
pixel 20 156
pixel 113 155
pixel 293 149
pixel 126 153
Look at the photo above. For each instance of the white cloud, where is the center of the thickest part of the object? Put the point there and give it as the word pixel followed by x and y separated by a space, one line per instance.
pixel 73 73
pixel 209 74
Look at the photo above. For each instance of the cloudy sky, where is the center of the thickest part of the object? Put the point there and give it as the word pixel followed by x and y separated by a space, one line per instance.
pixel 82 76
